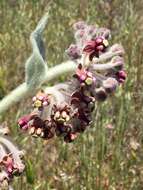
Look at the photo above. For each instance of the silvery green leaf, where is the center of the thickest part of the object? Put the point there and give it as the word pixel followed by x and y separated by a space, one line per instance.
pixel 36 67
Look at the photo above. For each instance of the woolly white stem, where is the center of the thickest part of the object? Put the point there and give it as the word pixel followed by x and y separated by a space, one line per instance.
pixel 110 65
pixel 2 152
pixel 23 91
pixel 58 70
pixel 104 57
pixel 15 96
pixel 64 68
pixel 99 76
pixel 26 88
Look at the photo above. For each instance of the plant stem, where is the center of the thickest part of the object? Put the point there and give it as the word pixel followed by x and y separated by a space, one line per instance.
pixel 23 91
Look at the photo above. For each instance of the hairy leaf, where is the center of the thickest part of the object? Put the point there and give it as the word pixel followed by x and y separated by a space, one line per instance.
pixel 36 66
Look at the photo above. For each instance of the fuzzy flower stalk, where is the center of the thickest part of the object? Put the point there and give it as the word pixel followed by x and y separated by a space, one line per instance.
pixel 65 109
pixel 11 163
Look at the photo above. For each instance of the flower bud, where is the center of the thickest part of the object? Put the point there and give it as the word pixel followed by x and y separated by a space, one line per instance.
pixel 121 76
pixel 101 94
pixel 79 25
pixel 40 100
pixel 94 47
pixel 10 162
pixel 110 85
pixel 73 51
pixel 118 48
pixel 23 122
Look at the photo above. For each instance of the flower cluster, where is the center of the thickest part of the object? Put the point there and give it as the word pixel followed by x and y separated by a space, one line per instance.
pixel 66 109
pixel 40 100
pixel 10 160
pixel 95 47
pixel 89 39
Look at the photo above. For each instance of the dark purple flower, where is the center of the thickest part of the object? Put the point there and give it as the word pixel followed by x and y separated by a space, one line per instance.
pixel 66 109
pixel 94 47
pixel 121 76
pixel 61 114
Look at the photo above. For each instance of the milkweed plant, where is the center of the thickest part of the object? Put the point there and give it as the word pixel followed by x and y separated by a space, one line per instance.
pixel 64 109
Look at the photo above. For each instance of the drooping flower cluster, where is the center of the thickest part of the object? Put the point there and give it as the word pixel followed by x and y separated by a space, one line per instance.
pixel 66 109
pixel 10 160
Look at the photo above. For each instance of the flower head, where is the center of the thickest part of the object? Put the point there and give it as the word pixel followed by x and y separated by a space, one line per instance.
pixel 61 114
pixel 89 39
pixel 95 47
pixel 10 161
pixel 66 109
pixel 84 76
pixel 40 100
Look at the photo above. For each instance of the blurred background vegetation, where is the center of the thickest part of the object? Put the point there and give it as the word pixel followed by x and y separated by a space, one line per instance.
pixel 101 158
